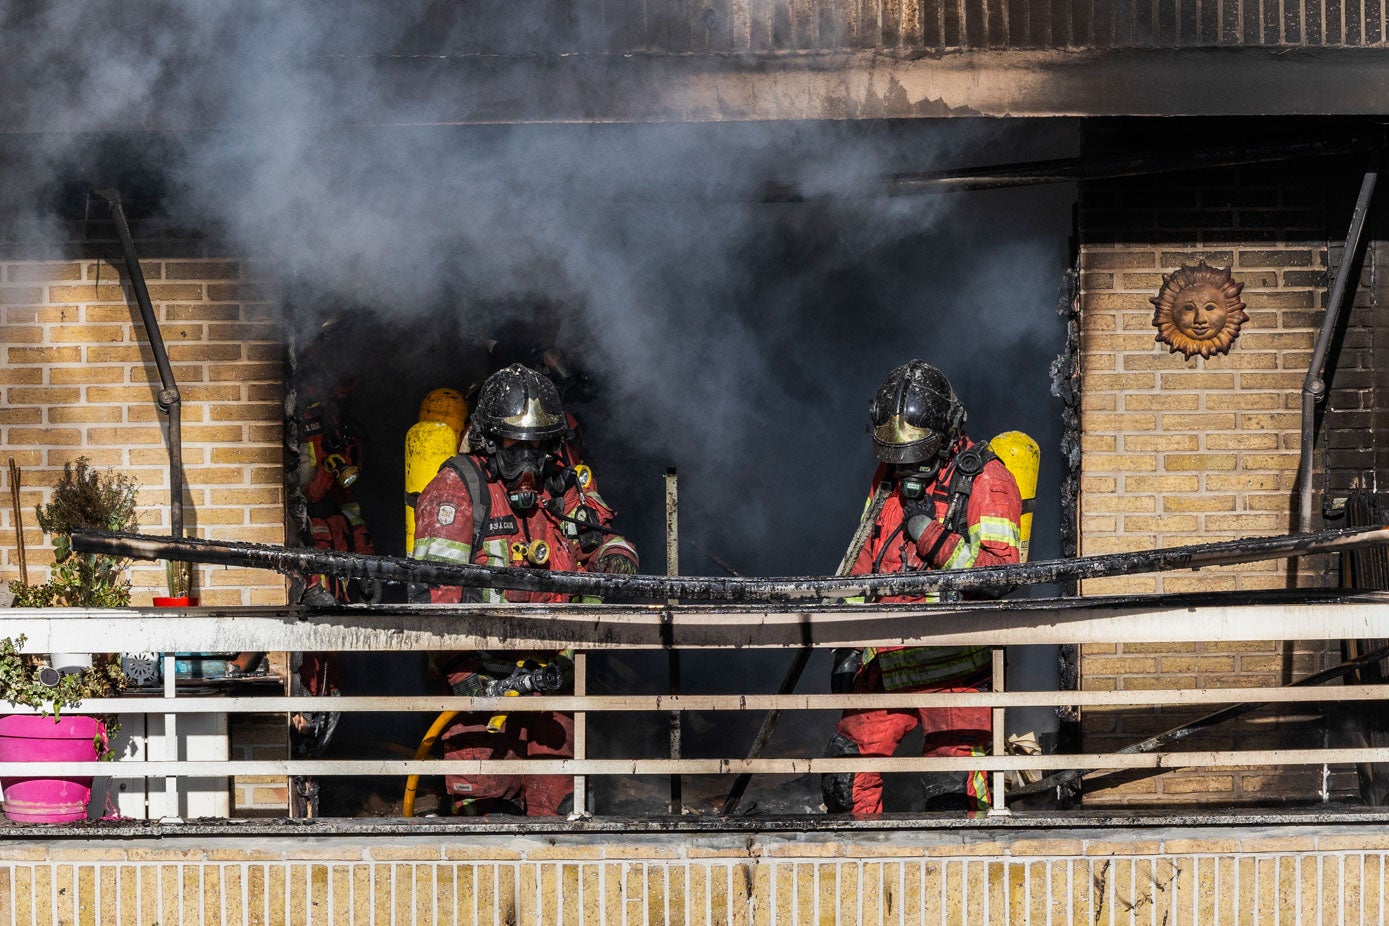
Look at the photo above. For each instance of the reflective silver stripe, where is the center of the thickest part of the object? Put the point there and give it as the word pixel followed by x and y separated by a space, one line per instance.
pixel 928 665
pixel 615 544
pixel 495 553
pixel 453 551
pixel 964 556
pixel 999 530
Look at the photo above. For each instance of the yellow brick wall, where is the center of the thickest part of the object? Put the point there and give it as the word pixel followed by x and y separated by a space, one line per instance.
pixel 78 378
pixel 1179 451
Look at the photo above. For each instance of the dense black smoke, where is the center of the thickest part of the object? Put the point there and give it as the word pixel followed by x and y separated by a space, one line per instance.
pixel 737 339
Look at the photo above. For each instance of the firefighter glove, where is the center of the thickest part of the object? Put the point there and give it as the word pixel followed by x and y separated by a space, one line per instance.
pixel 933 541
pixel 565 665
pixel 373 590
pixel 316 596
pixel 917 525
pixel 615 564
pixel 847 662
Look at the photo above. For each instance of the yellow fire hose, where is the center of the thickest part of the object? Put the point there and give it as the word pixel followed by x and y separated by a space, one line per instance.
pixel 437 727
pixel 431 736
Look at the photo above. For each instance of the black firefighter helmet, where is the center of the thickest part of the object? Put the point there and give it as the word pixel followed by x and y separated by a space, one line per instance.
pixel 519 403
pixel 915 417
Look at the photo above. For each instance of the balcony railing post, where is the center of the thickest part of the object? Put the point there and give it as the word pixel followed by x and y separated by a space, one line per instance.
pixel 170 738
pixel 580 734
pixel 1000 746
pixel 677 800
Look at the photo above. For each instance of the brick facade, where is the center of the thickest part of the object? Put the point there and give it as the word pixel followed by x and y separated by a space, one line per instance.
pixel 1124 873
pixel 78 379
pixel 1181 451
pixel 1175 451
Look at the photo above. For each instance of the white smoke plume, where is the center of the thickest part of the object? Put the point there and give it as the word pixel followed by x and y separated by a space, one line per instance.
pixel 737 339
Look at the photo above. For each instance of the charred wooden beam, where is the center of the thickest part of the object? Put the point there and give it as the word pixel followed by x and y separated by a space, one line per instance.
pixel 996 579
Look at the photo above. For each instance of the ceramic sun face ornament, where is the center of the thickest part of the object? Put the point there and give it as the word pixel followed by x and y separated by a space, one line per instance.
pixel 1199 311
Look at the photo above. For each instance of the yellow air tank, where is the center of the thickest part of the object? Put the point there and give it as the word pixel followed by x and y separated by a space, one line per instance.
pixel 1022 456
pixel 428 443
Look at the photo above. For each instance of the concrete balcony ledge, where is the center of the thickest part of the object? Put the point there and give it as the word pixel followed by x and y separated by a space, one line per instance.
pixel 1271 866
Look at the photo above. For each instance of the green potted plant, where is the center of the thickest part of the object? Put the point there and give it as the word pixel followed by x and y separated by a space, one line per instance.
pixel 179 582
pixel 83 498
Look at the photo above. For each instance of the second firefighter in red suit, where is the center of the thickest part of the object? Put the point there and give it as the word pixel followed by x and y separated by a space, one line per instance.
pixel 330 461
pixel 947 503
pixel 498 505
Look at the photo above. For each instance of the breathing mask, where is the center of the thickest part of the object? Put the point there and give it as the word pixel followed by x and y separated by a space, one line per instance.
pixel 520 467
pixel 521 458
pixel 523 493
pixel 915 480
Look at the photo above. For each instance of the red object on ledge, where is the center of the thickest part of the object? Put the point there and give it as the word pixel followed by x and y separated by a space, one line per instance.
pixel 165 602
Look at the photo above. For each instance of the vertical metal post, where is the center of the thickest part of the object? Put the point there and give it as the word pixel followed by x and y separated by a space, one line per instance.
pixel 171 403
pixel 18 509
pixel 580 734
pixel 1000 746
pixel 1314 385
pixel 677 803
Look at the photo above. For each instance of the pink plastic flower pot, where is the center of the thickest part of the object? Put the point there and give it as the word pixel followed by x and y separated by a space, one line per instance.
pixel 31 738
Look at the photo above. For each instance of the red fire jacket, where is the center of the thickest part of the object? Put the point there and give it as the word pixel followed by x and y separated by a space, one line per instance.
pixel 584 494
pixel 992 538
pixel 445 531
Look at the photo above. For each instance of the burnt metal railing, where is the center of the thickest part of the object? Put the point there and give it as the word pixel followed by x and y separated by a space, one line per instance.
pixel 1314 384
pixel 169 400
pixel 1283 616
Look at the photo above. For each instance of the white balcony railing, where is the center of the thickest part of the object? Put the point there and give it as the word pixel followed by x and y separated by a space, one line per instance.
pixel 594 628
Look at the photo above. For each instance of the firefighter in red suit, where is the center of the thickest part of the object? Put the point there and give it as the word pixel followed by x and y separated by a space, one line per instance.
pixel 942 502
pixel 588 518
pixel 499 505
pixel 330 462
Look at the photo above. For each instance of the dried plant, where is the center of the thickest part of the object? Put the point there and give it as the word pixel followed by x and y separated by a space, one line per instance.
pixel 83 499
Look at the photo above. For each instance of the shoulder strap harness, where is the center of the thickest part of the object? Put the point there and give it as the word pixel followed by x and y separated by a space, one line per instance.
pixel 476 483
pixel 968 464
